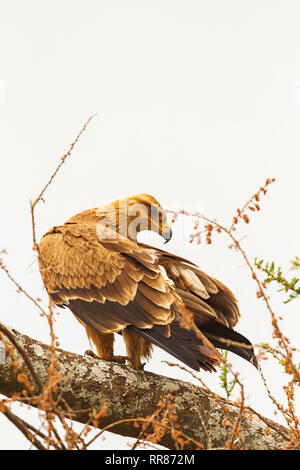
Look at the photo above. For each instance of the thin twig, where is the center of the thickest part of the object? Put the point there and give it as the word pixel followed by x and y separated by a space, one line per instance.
pixel 205 430
pixel 40 196
pixel 22 426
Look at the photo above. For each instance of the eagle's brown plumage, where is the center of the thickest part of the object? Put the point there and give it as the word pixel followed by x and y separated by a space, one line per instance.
pixel 113 284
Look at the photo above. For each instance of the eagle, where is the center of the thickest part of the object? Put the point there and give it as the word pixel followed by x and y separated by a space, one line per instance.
pixel 94 265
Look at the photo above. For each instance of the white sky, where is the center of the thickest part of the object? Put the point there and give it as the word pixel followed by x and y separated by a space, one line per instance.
pixel 198 102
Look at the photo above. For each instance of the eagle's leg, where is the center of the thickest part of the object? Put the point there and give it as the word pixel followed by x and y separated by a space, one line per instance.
pixel 104 344
pixel 137 348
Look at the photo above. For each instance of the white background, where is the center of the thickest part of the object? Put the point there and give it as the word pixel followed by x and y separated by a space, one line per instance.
pixel 198 103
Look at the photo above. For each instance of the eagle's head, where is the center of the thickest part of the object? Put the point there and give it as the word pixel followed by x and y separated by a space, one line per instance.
pixel 130 215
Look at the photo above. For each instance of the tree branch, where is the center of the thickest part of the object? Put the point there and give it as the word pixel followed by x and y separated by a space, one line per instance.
pixel 129 393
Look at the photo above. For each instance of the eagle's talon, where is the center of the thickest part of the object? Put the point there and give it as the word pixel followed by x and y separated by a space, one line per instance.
pixel 120 359
pixel 90 353
pixel 135 366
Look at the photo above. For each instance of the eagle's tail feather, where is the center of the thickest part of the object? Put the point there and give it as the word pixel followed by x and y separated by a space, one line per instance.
pixel 193 349
pixel 184 344
pixel 225 338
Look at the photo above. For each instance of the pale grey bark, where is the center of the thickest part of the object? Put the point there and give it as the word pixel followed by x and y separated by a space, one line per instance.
pixel 133 393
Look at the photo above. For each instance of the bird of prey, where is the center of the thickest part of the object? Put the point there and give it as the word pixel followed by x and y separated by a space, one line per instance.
pixel 94 265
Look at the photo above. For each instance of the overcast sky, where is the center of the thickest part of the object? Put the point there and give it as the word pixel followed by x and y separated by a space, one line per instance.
pixel 198 103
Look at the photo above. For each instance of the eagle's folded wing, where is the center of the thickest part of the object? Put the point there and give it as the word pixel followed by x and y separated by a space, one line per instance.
pixel 199 290
pixel 80 271
pixel 214 306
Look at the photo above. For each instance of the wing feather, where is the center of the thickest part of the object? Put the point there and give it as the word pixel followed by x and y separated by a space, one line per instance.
pixel 190 279
pixel 88 274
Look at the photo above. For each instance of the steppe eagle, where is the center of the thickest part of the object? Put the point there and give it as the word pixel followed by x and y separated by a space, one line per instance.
pixel 94 265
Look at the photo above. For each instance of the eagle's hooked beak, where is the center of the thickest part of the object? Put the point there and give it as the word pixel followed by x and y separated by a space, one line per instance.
pixel 166 232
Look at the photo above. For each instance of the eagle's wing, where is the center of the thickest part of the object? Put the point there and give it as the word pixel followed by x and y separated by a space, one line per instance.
pixel 198 289
pixel 214 306
pixel 79 271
